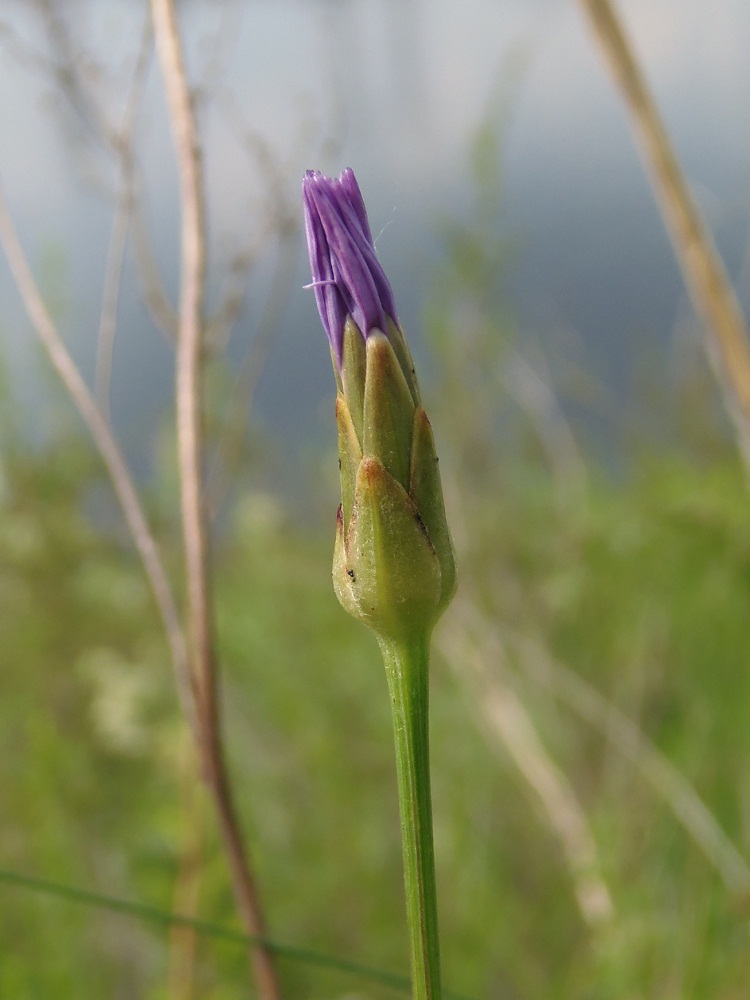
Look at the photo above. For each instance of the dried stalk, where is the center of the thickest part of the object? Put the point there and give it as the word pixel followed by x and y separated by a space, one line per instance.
pixel 82 94
pixel 667 781
pixel 122 143
pixel 709 288
pixel 110 298
pixel 538 400
pixel 501 714
pixel 184 941
pixel 119 473
pixel 689 809
pixel 240 401
pixel 189 441
pixel 155 298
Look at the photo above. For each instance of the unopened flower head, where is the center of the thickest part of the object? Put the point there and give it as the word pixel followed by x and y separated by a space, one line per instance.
pixel 393 561
pixel 347 276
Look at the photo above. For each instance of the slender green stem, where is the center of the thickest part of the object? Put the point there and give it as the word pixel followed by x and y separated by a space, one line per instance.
pixel 407 668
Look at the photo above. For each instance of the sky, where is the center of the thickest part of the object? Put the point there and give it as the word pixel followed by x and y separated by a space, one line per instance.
pixel 396 89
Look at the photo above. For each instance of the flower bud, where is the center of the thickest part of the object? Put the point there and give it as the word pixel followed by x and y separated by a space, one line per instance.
pixel 393 564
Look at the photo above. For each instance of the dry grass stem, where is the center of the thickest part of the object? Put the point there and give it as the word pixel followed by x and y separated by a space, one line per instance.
pixel 189 348
pixel 537 398
pixel 229 448
pixel 710 290
pixel 122 143
pixel 155 298
pixel 183 941
pixel 119 473
pixel 189 444
pixel 688 807
pixel 71 70
pixel 501 714
pixel 110 299
pixel 495 643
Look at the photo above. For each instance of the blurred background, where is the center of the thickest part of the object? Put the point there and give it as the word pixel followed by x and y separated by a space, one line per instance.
pixel 591 691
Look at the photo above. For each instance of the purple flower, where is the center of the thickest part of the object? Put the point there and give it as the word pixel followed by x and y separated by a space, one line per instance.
pixel 347 277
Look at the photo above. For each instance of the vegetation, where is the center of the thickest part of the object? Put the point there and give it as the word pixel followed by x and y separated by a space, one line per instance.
pixel 590 698
pixel 640 587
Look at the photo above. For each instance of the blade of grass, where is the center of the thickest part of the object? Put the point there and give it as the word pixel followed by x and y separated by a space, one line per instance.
pixel 143 911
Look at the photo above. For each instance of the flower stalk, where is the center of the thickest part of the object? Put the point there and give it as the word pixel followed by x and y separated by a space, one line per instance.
pixel 393 565
pixel 407 670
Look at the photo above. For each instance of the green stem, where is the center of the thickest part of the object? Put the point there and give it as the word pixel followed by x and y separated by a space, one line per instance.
pixel 407 668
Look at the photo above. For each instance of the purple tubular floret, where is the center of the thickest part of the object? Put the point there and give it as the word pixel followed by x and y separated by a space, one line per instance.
pixel 330 303
pixel 351 191
pixel 347 276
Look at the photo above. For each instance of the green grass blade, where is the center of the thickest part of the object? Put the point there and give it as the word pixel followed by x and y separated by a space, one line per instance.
pixel 145 912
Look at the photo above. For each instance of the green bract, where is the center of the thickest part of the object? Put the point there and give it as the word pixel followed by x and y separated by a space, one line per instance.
pixel 393 565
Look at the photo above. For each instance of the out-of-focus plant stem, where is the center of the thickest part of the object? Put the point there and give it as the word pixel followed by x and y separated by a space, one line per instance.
pixel 122 144
pixel 705 277
pixel 407 670
pixel 189 401
pixel 183 941
pixel 117 468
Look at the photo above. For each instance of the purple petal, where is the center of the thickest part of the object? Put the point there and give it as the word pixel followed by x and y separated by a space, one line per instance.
pixel 351 190
pixel 347 276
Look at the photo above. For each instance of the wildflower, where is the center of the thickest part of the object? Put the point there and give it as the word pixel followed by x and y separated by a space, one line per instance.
pixel 393 562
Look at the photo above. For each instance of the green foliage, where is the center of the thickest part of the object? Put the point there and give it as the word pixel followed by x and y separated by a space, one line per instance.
pixel 643 590
pixel 638 584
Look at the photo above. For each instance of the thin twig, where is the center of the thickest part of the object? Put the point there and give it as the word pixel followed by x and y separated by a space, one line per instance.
pixel 189 347
pixel 123 143
pixel 218 48
pixel 108 318
pixel 155 298
pixel 240 401
pixel 83 94
pixel 189 442
pixel 119 473
pixel 709 288
pixel 70 67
